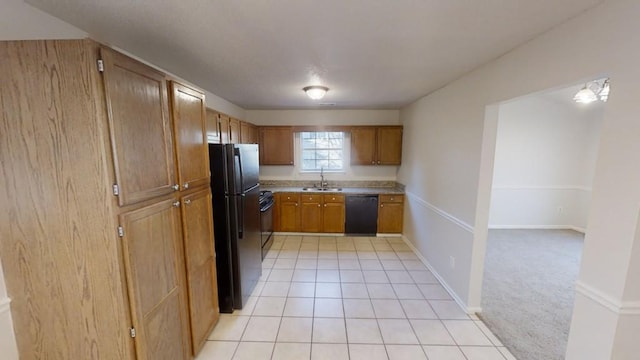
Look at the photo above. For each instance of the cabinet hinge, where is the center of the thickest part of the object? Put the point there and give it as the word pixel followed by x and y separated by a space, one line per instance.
pixel 120 231
pixel 100 66
pixel 116 189
pixel 132 332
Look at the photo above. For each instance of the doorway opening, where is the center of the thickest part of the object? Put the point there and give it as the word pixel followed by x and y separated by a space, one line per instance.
pixel 546 147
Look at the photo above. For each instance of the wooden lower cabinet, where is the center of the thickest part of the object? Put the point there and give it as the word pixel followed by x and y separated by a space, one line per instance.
pixel 154 269
pixel 289 212
pixel 325 213
pixel 311 213
pixel 390 213
pixel 333 214
pixel 202 286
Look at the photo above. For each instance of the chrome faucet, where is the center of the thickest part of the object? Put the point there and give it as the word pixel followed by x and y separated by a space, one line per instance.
pixel 323 184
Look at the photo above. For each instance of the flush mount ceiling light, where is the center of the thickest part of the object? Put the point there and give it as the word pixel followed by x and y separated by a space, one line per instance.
pixel 593 91
pixel 315 92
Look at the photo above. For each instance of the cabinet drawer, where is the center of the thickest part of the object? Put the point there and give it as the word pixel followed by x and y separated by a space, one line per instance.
pixel 314 198
pixel 284 197
pixel 391 198
pixel 333 198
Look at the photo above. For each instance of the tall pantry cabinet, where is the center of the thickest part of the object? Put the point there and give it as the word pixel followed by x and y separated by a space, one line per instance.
pixel 107 241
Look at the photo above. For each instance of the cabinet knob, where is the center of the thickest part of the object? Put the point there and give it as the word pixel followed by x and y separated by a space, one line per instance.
pixel 310 197
pixel 291 162
pixel 296 204
pixel 333 198
pixel 185 186
pixel 391 199
pixel 176 187
pixel 187 202
pixel 319 205
pixel 378 162
pixel 288 197
pixel 176 203
pixel 381 205
pixel 325 205
pixel 373 162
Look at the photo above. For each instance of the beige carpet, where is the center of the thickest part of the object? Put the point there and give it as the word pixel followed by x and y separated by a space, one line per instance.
pixel 528 289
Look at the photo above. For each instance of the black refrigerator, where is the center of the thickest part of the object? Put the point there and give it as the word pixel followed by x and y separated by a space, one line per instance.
pixel 236 219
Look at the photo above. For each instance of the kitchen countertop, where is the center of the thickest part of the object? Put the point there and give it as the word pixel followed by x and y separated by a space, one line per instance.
pixel 345 190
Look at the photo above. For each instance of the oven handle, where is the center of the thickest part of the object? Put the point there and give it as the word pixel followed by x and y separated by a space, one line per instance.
pixel 269 206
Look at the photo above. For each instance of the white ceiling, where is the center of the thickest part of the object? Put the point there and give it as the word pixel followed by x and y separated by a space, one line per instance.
pixel 371 53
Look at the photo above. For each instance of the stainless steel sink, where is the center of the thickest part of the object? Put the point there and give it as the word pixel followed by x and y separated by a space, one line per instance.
pixel 321 189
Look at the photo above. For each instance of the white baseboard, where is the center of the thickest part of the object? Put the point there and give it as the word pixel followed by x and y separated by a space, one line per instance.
pixel 456 298
pixel 282 233
pixel 537 227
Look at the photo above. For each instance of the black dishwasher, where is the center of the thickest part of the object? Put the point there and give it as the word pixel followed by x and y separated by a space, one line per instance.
pixel 361 216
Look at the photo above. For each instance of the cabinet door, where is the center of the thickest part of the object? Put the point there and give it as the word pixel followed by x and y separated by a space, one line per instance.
pixel 234 131
pixel 213 127
pixel 202 284
pixel 333 214
pixel 289 212
pixel 389 150
pixel 188 112
pixel 225 136
pixel 390 217
pixel 141 140
pixel 311 213
pixel 363 146
pixel 245 133
pixel 254 134
pixel 154 268
pixel 276 145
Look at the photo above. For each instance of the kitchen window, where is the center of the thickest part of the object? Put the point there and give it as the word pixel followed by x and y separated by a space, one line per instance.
pixel 322 150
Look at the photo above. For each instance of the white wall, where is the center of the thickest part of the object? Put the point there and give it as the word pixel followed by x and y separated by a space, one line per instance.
pixel 7 339
pixel 325 117
pixel 544 163
pixel 448 167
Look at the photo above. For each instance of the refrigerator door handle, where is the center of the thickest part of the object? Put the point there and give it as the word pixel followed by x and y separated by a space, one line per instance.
pixel 240 215
pixel 236 154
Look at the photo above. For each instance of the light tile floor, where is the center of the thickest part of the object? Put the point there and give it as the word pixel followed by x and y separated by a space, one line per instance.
pixel 349 298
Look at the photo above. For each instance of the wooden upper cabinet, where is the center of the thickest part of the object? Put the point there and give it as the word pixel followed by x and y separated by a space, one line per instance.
pixel 248 133
pixel 276 145
pixel 245 133
pixel 254 134
pixel 225 136
pixel 154 268
pixel 234 131
pixel 389 150
pixel 188 110
pixel 202 285
pixel 371 145
pixel 141 139
pixel 363 146
pixel 213 127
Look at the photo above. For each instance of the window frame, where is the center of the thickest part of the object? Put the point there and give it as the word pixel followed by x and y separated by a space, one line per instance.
pixel 342 149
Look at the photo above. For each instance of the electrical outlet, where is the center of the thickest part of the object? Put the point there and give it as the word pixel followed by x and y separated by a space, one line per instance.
pixel 452 262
